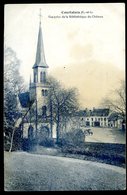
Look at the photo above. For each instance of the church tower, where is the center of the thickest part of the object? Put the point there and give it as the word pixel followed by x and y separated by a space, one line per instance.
pixel 38 87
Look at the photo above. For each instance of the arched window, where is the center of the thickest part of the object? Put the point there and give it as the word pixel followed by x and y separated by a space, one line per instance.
pixel 43 92
pixel 46 92
pixel 44 77
pixel 35 77
pixel 44 109
pixel 41 77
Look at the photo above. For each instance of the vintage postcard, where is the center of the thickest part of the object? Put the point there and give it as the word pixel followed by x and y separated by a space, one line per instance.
pixel 64 97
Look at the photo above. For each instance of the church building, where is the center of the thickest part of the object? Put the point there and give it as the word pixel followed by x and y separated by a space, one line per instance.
pixel 34 106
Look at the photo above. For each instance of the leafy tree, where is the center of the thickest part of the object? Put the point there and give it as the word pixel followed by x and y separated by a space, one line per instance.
pixel 13 84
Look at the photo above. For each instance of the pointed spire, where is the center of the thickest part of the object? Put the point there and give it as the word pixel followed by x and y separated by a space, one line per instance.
pixel 40 55
pixel 30 82
pixel 40 16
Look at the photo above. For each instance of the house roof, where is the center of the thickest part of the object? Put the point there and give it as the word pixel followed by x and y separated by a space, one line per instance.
pixel 100 112
pixel 80 113
pixel 94 112
pixel 24 99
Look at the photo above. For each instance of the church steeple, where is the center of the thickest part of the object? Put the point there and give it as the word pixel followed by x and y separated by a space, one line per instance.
pixel 40 55
pixel 39 89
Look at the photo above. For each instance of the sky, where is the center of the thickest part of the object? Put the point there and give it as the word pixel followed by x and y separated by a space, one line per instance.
pixel 84 44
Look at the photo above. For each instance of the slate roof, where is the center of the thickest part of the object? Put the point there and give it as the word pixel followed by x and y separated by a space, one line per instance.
pixel 40 55
pixel 100 112
pixel 24 99
pixel 94 112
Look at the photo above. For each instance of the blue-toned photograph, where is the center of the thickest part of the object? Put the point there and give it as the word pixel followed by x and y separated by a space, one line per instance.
pixel 64 97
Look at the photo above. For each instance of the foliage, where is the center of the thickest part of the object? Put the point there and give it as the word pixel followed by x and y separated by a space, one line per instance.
pixel 75 137
pixel 12 78
pixel 26 144
pixel 47 142
pixel 44 139
pixel 102 152
pixel 13 84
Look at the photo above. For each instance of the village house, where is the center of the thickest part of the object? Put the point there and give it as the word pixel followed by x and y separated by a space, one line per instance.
pixel 98 117
pixel 115 120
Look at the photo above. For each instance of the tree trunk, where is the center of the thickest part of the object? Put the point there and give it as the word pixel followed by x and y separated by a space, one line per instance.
pixel 57 126
pixel 57 133
pixel 51 120
pixel 12 140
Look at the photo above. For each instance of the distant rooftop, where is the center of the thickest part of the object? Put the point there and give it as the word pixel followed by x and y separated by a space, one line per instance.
pixel 94 112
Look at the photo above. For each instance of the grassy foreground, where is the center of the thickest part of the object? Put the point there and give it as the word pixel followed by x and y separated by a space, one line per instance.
pixel 32 172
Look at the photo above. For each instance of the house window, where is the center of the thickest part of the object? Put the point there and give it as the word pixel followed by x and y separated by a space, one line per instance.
pixel 87 118
pixel 87 123
pixel 91 119
pixel 101 119
pixel 98 119
pixel 104 119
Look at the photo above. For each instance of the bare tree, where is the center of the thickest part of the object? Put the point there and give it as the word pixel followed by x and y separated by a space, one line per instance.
pixel 116 101
pixel 63 103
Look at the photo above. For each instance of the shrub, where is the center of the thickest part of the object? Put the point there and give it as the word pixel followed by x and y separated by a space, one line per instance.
pixel 75 137
pixel 25 144
pixel 43 137
pixel 48 142
pixel 104 152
